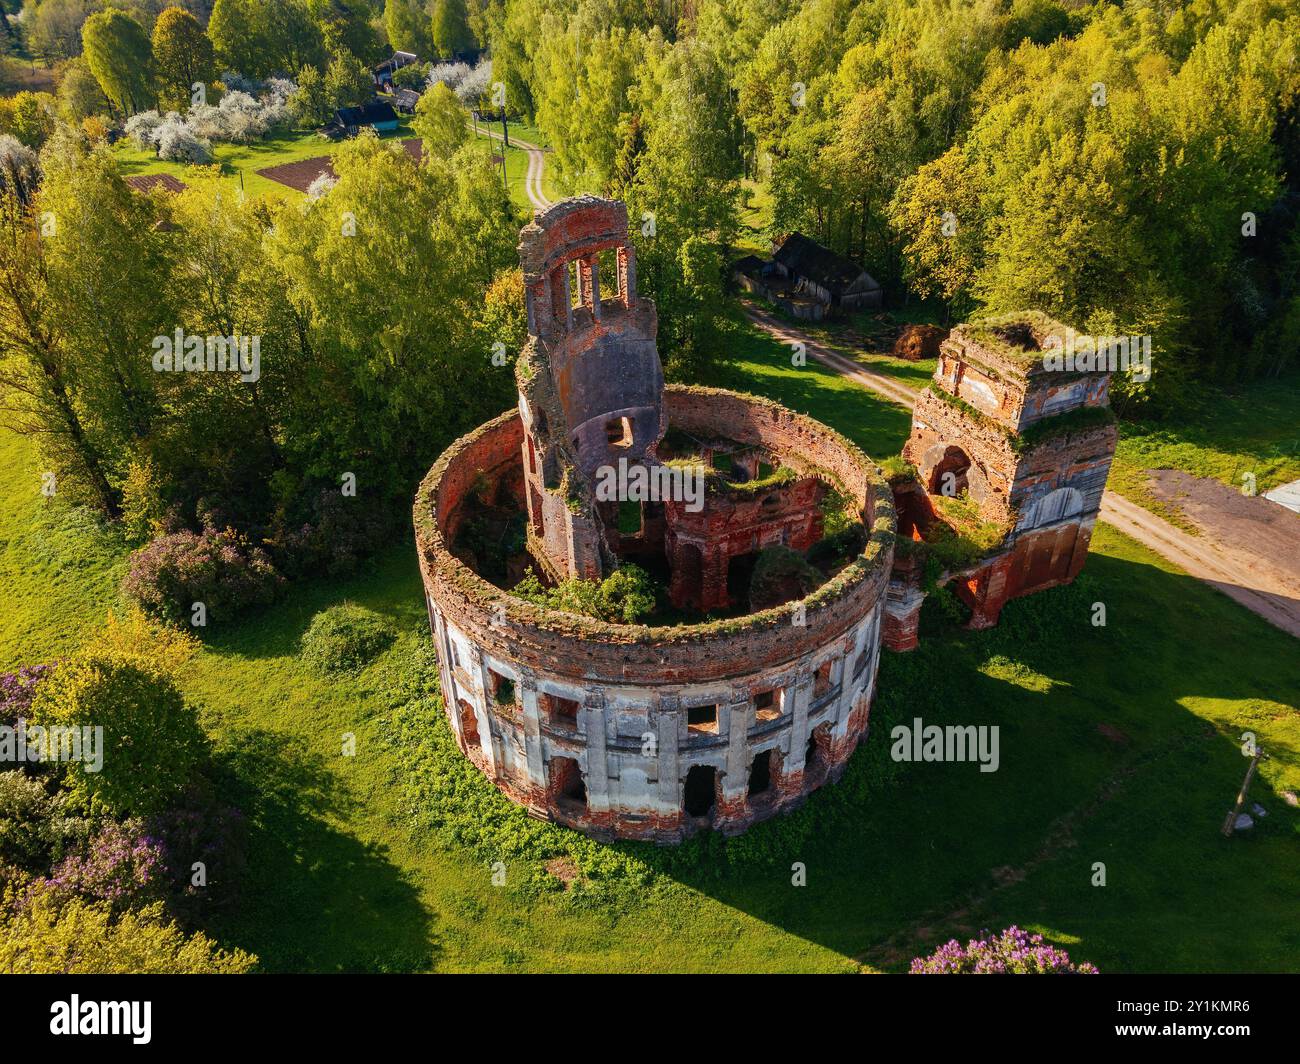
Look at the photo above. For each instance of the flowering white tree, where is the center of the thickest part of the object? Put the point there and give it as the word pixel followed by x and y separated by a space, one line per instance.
pixel 19 168
pixel 475 86
pixel 140 128
pixel 176 142
pixel 240 118
pixel 319 187
pixel 449 74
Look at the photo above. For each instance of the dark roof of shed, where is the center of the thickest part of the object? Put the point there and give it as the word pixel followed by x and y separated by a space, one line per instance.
pixel 807 258
pixel 367 114
pixel 750 264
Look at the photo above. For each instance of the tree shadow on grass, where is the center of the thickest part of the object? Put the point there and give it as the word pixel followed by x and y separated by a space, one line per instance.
pixel 901 857
pixel 315 899
pixel 389 584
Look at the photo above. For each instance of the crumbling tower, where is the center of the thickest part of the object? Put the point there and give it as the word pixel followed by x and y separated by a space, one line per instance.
pixel 640 731
pixel 591 387
pixel 1030 445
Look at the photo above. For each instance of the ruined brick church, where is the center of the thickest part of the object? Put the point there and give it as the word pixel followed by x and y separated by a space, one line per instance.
pixel 741 704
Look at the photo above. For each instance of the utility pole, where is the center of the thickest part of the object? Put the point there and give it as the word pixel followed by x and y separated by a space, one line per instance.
pixel 1230 823
pixel 505 130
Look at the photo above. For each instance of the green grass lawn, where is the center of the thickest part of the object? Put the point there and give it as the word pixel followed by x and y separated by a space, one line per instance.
pixel 516 171
pixel 867 337
pixel 348 871
pixel 1251 428
pixel 242 161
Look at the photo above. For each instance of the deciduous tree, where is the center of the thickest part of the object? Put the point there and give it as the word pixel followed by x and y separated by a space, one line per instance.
pixel 182 57
pixel 119 55
pixel 440 122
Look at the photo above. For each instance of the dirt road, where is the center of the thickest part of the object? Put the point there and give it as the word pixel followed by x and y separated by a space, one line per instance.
pixel 536 162
pixel 1262 588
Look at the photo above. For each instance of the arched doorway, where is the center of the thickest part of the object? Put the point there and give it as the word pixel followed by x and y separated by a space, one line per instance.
pixel 468 724
pixel 949 475
pixel 701 791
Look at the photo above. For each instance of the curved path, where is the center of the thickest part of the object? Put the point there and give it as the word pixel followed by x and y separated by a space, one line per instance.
pixel 1262 590
pixel 533 178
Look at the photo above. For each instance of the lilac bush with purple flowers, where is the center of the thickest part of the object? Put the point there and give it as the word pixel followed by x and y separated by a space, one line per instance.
pixel 220 569
pixel 123 866
pixel 1013 952
pixel 17 689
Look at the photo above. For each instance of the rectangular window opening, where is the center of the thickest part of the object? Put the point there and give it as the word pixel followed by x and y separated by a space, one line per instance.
pixel 702 720
pixel 822 679
pixel 560 710
pixel 618 432
pixel 503 688
pixel 768 705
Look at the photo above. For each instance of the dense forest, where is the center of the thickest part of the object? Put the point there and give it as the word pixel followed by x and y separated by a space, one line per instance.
pixel 1128 169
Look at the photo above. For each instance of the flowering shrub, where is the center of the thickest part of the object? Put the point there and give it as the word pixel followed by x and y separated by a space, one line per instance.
pixel 233 81
pixel 177 142
pixel 19 168
pixel 449 74
pixel 1014 952
pixel 475 86
pixel 240 118
pixel 123 866
pixel 17 689
pixel 320 185
pixel 140 128
pixel 220 569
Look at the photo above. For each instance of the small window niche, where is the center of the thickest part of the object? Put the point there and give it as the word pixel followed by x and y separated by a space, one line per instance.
pixel 618 432
pixel 560 711
pixel 702 720
pixel 768 705
pixel 822 679
pixel 503 688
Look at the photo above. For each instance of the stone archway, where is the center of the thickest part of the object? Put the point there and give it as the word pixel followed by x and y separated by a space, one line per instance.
pixel 950 475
